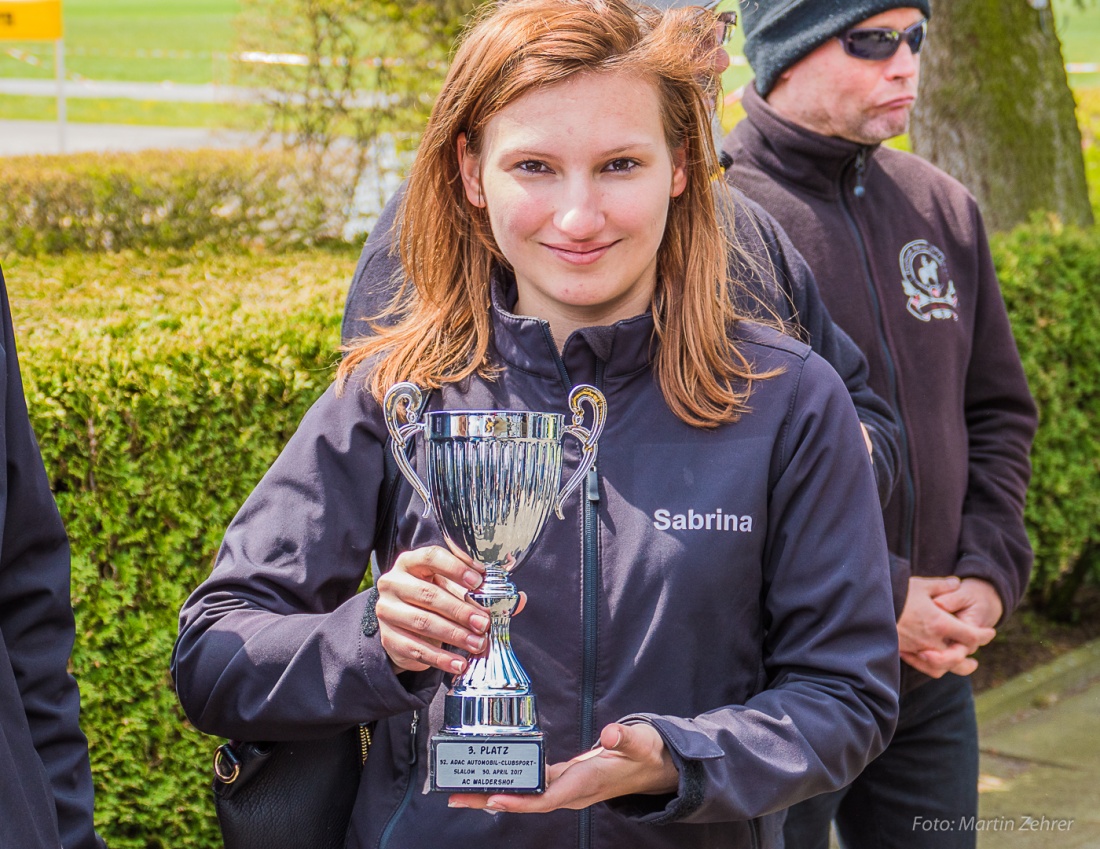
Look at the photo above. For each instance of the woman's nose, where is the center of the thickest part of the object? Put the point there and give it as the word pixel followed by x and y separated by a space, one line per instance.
pixel 580 214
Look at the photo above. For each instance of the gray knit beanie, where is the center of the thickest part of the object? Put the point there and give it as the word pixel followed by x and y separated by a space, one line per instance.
pixel 780 32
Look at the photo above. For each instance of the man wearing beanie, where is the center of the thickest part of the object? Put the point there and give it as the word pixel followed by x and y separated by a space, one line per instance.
pixel 901 258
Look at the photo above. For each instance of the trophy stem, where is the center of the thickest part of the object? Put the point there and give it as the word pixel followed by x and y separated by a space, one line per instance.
pixel 491 741
pixel 494 692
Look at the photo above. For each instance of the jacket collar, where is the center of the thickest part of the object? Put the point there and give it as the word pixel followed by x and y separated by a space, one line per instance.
pixel 817 164
pixel 526 343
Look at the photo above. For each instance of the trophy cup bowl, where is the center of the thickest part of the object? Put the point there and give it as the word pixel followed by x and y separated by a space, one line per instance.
pixel 492 481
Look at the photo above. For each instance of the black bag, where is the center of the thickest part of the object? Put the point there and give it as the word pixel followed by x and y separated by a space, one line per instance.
pixel 293 795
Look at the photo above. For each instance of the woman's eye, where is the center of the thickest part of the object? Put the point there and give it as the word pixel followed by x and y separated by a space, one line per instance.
pixel 532 166
pixel 622 165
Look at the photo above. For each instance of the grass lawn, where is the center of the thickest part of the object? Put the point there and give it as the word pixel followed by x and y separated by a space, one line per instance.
pixel 1078 25
pixel 140 112
pixel 185 41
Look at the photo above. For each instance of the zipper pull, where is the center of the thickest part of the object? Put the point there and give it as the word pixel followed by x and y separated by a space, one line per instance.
pixel 592 485
pixel 412 736
pixel 861 165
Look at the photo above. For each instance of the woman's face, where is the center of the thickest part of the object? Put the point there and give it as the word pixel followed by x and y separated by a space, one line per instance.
pixel 577 179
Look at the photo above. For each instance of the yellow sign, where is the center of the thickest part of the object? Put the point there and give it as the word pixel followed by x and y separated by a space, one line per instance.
pixel 30 20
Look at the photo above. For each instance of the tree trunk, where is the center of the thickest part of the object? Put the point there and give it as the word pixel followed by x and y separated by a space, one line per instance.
pixel 996 112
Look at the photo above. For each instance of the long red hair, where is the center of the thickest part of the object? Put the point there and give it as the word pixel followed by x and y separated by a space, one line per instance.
pixel 439 329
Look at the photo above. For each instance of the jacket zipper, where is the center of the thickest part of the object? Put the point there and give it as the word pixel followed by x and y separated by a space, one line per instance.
pixel 590 589
pixel 387 832
pixel 590 595
pixel 861 166
pixel 860 163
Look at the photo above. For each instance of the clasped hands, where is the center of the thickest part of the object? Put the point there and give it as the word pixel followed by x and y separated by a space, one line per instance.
pixel 946 620
pixel 423 608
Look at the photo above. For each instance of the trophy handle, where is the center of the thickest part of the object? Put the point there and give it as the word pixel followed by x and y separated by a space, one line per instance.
pixel 401 434
pixel 588 436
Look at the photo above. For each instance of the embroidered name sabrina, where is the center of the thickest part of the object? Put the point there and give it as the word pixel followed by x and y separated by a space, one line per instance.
pixel 692 521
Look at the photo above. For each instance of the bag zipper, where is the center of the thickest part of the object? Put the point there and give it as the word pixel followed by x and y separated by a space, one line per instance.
pixel 387 832
pixel 364 744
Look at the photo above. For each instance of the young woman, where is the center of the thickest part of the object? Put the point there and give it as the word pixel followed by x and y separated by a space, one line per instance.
pixel 695 675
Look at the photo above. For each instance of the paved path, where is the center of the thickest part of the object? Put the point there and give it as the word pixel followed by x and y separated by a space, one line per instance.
pixel 1040 761
pixel 24 137
pixel 166 91
pixel 163 91
pixel 1039 786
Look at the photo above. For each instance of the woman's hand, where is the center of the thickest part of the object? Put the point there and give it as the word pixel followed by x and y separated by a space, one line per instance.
pixel 630 759
pixel 422 605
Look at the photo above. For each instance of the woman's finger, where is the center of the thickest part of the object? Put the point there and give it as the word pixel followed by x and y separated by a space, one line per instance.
pixel 433 614
pixel 436 560
pixel 417 604
pixel 422 607
pixel 410 651
pixel 465 630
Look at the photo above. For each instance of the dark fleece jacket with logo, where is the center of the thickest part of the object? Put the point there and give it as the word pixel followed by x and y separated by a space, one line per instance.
pixel 763 651
pixel 902 261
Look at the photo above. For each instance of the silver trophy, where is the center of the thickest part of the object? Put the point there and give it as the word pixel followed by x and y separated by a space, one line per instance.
pixel 493 479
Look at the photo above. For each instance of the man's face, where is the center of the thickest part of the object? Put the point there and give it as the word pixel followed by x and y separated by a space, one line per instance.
pixel 864 101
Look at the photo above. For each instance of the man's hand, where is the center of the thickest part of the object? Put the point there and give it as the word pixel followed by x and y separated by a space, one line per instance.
pixel 422 605
pixel 975 602
pixel 867 440
pixel 933 640
pixel 630 759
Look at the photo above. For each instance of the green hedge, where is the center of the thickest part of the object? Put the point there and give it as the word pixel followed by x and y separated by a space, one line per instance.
pixel 162 385
pixel 153 200
pixel 161 388
pixel 1050 277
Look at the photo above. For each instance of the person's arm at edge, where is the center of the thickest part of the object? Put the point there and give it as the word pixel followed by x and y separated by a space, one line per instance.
pixel 37 616
pixel 1001 421
pixel 377 274
pixel 798 300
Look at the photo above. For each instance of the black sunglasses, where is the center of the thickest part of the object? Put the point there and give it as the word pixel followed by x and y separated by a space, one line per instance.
pixel 878 43
pixel 725 25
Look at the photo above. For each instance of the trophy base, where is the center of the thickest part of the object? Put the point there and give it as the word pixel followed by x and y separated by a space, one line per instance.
pixel 488 763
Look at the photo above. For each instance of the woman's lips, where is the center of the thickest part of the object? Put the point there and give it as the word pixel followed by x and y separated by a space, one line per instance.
pixel 580 254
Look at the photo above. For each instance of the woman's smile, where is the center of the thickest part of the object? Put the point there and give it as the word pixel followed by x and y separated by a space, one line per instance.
pixel 584 254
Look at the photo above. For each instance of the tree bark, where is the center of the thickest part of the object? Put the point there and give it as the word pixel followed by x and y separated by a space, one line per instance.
pixel 996 112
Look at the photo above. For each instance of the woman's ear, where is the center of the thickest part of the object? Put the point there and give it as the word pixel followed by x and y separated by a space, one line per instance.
pixel 469 165
pixel 679 172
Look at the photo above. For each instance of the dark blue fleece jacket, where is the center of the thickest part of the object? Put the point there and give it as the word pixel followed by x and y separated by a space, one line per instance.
pixel 763 650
